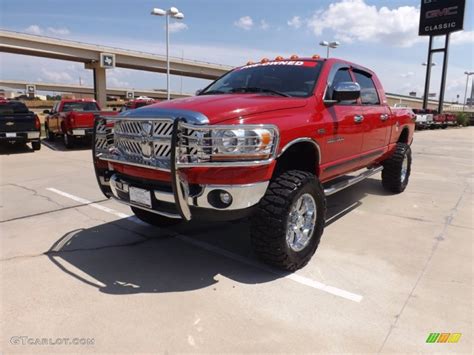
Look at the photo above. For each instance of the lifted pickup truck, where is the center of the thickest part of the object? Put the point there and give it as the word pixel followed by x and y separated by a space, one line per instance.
pixel 18 124
pixel 269 140
pixel 72 119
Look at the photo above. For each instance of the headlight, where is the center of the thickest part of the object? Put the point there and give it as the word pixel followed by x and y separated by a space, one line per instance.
pixel 239 143
pixel 228 143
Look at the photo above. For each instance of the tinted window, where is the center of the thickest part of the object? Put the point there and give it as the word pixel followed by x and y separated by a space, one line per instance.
pixel 12 107
pixel 296 79
pixel 80 106
pixel 341 76
pixel 368 92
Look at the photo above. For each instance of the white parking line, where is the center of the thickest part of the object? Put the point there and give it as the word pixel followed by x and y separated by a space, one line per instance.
pixel 212 248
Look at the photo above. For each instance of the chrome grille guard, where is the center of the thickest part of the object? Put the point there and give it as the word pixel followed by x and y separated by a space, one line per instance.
pixel 124 139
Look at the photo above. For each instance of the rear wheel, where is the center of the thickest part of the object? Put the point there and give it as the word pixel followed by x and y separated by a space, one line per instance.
pixel 396 169
pixel 153 218
pixel 289 222
pixel 68 141
pixel 36 145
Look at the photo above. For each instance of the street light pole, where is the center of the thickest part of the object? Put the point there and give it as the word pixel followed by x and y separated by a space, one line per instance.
pixel 174 13
pixel 468 74
pixel 428 66
pixel 327 44
pixel 168 94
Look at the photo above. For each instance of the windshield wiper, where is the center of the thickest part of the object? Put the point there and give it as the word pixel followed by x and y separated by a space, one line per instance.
pixel 212 92
pixel 256 89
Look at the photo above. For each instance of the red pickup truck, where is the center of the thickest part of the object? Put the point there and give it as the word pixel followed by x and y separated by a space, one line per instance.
pixel 72 119
pixel 269 140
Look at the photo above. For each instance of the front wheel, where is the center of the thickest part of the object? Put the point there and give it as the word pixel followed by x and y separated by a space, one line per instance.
pixel 396 169
pixel 49 135
pixel 289 222
pixel 153 218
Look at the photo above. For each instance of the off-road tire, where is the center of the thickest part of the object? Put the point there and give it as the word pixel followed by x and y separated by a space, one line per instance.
pixel 68 141
pixel 392 169
pixel 36 145
pixel 153 218
pixel 269 223
pixel 49 135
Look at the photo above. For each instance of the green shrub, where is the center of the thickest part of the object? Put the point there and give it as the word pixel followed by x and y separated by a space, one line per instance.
pixel 462 119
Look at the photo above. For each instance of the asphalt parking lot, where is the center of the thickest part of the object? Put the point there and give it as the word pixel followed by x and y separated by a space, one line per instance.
pixel 390 270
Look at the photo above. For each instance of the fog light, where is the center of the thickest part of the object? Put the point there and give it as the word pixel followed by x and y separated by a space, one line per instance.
pixel 226 198
pixel 219 198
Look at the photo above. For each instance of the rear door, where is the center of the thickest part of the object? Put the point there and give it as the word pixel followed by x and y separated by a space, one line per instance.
pixel 376 116
pixel 343 131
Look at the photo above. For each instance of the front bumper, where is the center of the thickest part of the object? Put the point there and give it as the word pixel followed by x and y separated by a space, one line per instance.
pixel 163 199
pixel 20 136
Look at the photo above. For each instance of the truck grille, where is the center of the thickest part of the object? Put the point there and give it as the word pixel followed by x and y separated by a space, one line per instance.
pixel 142 142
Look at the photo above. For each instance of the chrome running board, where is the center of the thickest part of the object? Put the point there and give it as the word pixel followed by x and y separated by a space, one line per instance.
pixel 341 185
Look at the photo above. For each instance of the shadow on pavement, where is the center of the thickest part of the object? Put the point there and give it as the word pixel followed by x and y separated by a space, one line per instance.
pixel 16 148
pixel 123 257
pixel 59 146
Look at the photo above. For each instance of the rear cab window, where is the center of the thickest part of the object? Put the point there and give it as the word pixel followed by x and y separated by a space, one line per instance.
pixel 12 107
pixel 80 106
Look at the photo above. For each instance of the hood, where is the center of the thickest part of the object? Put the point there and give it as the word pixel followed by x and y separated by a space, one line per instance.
pixel 219 108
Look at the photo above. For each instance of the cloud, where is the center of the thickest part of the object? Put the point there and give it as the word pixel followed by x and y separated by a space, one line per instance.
pixel 407 75
pixel 55 76
pixel 37 30
pixel 264 25
pixel 245 23
pixel 354 20
pixel 295 22
pixel 463 37
pixel 34 30
pixel 177 27
pixel 58 31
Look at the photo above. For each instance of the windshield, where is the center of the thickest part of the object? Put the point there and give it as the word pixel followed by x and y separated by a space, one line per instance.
pixel 80 106
pixel 284 78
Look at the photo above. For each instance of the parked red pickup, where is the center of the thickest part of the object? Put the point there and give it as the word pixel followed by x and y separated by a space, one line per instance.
pixel 72 119
pixel 269 140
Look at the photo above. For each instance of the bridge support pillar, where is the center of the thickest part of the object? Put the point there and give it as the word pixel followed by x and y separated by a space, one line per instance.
pixel 100 84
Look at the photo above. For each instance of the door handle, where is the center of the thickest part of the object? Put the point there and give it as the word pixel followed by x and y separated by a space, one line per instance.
pixel 384 117
pixel 358 118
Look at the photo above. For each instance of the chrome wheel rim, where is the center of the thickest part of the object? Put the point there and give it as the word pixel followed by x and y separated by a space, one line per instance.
pixel 301 222
pixel 404 171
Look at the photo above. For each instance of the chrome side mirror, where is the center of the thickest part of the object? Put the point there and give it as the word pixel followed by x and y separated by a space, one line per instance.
pixel 346 91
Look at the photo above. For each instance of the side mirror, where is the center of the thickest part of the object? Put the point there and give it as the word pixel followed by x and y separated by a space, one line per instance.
pixel 198 92
pixel 346 91
pixel 46 112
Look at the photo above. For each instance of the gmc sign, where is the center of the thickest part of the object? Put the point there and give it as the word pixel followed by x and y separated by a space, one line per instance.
pixel 439 17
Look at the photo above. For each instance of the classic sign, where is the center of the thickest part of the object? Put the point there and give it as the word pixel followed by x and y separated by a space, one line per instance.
pixel 438 17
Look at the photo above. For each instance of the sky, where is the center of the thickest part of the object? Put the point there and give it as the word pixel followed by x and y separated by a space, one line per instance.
pixel 381 35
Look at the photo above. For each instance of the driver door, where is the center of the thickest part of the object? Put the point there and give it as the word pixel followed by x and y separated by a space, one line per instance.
pixel 343 130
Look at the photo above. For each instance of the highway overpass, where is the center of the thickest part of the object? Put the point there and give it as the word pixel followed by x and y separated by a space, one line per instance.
pixel 87 90
pixel 89 54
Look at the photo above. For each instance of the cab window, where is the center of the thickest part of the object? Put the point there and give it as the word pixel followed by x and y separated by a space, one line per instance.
pixel 368 92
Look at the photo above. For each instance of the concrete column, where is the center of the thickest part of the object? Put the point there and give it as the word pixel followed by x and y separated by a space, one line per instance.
pixel 100 84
